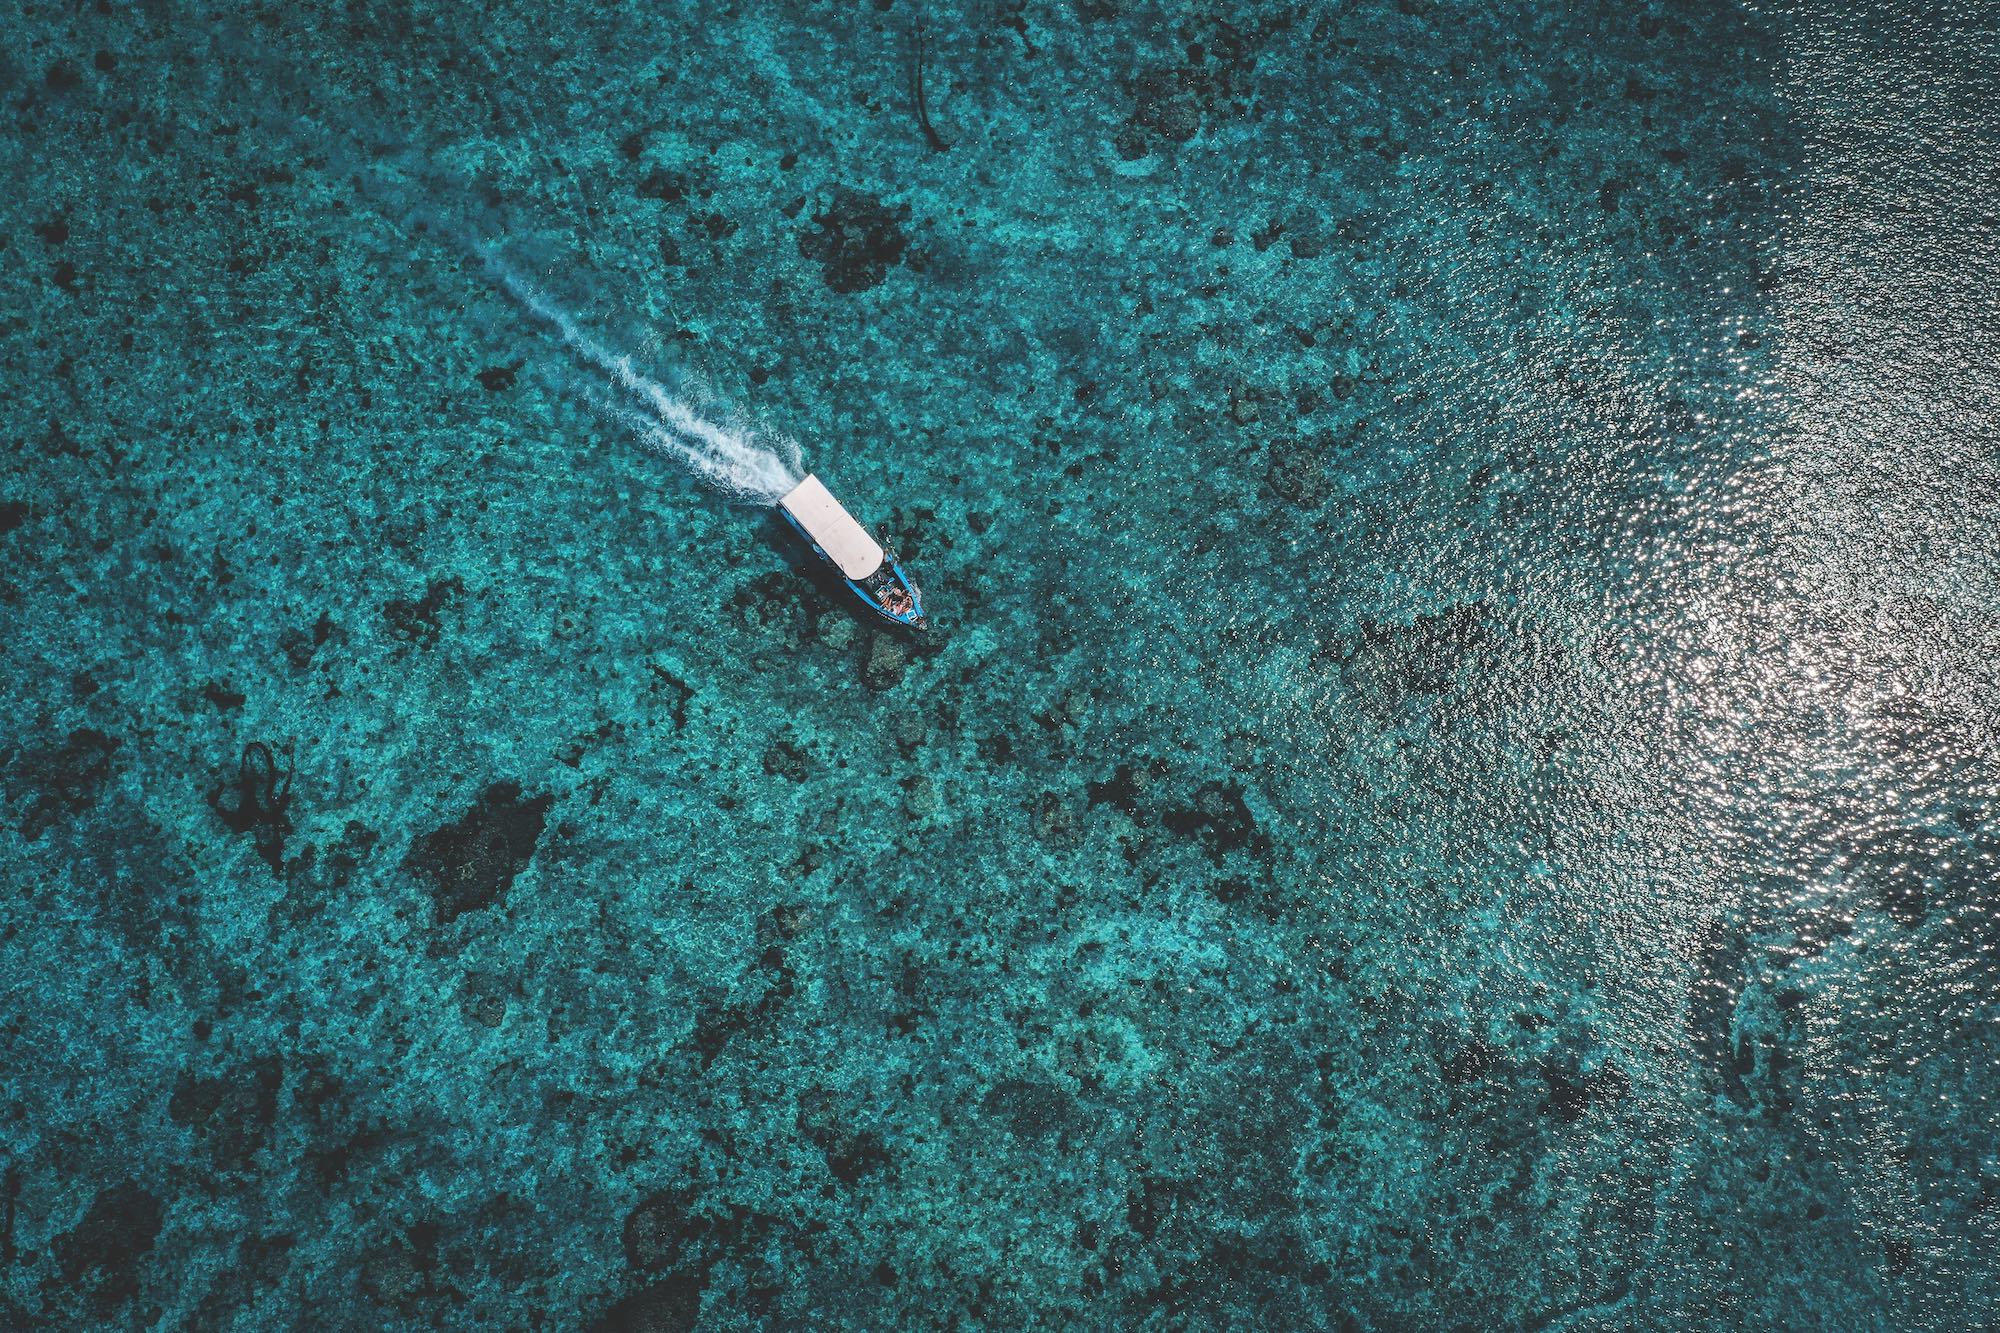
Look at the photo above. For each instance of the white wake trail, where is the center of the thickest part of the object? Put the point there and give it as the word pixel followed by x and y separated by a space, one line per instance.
pixel 738 463
pixel 406 187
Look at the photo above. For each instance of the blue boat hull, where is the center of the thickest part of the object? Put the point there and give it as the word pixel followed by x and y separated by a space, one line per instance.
pixel 891 573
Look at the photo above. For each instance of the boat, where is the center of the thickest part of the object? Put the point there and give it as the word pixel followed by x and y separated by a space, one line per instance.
pixel 870 571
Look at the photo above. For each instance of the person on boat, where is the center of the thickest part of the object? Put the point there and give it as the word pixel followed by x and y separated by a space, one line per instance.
pixel 895 601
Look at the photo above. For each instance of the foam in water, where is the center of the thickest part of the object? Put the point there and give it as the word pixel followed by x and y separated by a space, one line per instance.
pixel 739 463
pixel 406 189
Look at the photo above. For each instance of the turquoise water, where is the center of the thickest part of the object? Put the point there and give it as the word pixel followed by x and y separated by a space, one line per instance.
pixel 1452 784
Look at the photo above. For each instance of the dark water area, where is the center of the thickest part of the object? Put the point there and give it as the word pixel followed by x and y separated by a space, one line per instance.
pixel 1452 784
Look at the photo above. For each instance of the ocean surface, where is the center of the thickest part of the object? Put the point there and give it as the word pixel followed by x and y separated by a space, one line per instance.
pixel 1451 785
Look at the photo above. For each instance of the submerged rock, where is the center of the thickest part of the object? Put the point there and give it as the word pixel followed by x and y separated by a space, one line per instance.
pixel 921 799
pixel 106 1246
pixel 669 1306
pixel 1219 819
pixel 659 1231
pixel 63 779
pixel 1296 472
pixel 887 660
pixel 231 1113
pixel 395 1275
pixel 470 863
pixel 259 803
pixel 786 758
pixel 1168 102
pixel 416 620
pixel 495 378
pixel 836 631
pixel 859 239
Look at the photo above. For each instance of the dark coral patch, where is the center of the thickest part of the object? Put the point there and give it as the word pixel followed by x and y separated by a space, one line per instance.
pixel 471 862
pixel 63 76
pixel 417 621
pixel 660 1230
pixel 1392 665
pixel 1720 978
pixel 785 758
pixel 62 779
pixel 1219 819
pixel 1570 1095
pixel 1472 1064
pixel 1031 1109
pixel 106 1246
pixel 1168 102
pixel 1297 472
pixel 259 803
pixel 299 645
pixel 669 1306
pixel 495 378
pixel 230 1113
pixel 1128 786
pixel 858 240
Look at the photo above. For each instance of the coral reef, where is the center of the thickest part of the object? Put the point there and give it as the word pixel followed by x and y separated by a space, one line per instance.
pixel 1451 785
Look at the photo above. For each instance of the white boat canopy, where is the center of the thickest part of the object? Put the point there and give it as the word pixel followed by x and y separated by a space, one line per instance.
pixel 827 522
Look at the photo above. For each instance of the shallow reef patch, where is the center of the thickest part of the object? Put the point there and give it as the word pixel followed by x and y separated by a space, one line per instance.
pixel 469 863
